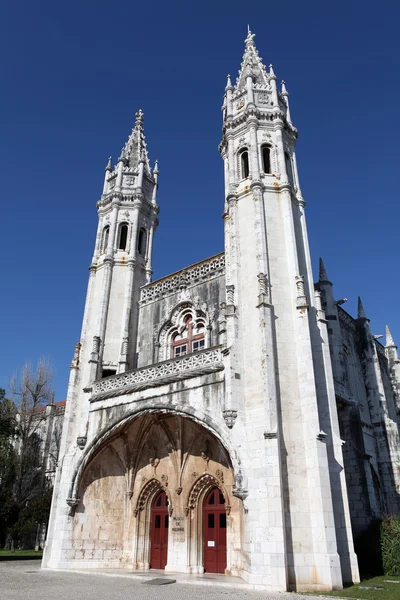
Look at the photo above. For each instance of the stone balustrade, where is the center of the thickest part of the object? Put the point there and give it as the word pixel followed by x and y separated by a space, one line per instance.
pixel 191 365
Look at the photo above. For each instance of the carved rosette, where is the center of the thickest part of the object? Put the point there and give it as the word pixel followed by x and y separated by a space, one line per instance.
pixel 230 417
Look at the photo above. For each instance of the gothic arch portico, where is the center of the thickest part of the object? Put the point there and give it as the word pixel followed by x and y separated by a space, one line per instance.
pixel 147 454
pixel 117 426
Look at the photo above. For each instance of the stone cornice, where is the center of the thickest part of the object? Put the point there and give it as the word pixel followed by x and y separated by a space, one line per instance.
pixel 192 365
pixel 192 275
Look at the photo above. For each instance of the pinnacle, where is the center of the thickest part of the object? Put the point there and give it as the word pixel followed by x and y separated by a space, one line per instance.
pixel 361 311
pixel 135 149
pixel 322 271
pixel 251 64
pixel 389 338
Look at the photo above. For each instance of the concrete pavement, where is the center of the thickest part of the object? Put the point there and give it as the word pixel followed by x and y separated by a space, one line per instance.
pixel 23 580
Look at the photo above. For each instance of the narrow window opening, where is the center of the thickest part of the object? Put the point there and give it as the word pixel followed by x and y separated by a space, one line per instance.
pixel 123 236
pixel 108 373
pixel 142 242
pixel 266 157
pixel 244 158
pixel 104 245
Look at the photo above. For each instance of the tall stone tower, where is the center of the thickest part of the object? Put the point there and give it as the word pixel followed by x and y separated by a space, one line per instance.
pixel 280 377
pixel 121 264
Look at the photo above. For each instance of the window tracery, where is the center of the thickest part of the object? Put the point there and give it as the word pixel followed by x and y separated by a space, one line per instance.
pixel 185 332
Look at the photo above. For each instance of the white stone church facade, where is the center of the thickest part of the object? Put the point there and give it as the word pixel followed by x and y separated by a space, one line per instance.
pixel 231 417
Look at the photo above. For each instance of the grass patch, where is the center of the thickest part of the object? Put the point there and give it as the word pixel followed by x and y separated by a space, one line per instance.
pixel 20 554
pixel 390 591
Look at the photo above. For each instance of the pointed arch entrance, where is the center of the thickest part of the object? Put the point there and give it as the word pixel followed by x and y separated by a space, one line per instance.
pixel 159 531
pixel 214 531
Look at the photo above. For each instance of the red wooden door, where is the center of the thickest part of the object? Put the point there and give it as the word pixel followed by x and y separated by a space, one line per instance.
pixel 159 532
pixel 214 519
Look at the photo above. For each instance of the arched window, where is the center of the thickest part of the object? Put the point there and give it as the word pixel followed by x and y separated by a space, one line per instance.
pixel 142 242
pixel 244 164
pixel 266 158
pixel 104 241
pixel 123 236
pixel 191 339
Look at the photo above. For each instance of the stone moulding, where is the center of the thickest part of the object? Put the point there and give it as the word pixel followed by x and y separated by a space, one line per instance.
pixel 192 365
pixel 197 273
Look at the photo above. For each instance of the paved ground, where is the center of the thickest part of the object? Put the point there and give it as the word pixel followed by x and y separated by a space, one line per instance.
pixel 24 580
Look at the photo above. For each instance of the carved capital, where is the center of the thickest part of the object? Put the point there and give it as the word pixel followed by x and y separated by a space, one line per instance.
pixel 81 441
pixel 72 503
pixel 230 417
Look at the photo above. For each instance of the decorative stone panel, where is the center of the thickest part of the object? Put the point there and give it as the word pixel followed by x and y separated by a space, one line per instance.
pixel 192 365
pixel 200 272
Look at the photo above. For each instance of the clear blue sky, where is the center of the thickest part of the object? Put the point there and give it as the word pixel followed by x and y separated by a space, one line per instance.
pixel 73 76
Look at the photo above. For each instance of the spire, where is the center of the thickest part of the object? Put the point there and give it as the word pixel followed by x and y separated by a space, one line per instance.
pixel 361 311
pixel 389 338
pixel 251 64
pixel 135 149
pixel 284 90
pixel 322 271
pixel 271 71
pixel 228 82
pixel 109 164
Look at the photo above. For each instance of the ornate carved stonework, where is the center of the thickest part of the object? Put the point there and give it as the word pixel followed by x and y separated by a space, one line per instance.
pixel 149 489
pixel 200 272
pixel 77 351
pixel 219 475
pixel 206 361
pixel 230 417
pixel 81 441
pixel 72 503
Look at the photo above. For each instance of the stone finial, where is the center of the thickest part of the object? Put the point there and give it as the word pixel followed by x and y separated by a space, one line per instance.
pixel 109 164
pixel 250 37
pixel 284 90
pixel 228 82
pixel 389 339
pixel 139 118
pixel 322 271
pixel 361 312
pixel 271 71
pixel 156 171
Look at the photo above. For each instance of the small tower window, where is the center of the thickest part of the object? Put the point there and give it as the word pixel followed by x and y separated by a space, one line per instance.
pixel 104 241
pixel 244 164
pixel 123 236
pixel 266 158
pixel 142 242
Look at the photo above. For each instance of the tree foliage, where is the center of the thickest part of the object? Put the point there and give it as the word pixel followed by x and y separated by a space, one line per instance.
pixel 25 492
